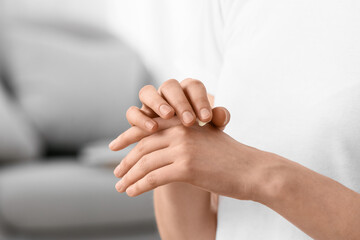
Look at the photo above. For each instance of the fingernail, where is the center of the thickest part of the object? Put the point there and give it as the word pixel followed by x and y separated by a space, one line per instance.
pixel 226 121
pixel 149 125
pixel 119 187
pixel 205 113
pixel 201 124
pixel 165 109
pixel 187 117
pixel 130 190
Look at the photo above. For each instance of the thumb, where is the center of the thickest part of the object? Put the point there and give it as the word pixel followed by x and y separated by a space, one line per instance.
pixel 221 117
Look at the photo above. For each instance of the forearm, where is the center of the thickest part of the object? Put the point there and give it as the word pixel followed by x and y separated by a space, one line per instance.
pixel 184 212
pixel 318 205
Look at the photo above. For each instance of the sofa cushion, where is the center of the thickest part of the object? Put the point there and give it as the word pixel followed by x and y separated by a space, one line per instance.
pixel 74 89
pixel 84 13
pixel 74 79
pixel 65 194
pixel 18 139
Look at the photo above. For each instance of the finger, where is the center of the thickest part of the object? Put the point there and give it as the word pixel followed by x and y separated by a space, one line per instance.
pixel 130 136
pixel 195 91
pixel 154 179
pixel 147 145
pixel 137 118
pixel 150 97
pixel 146 164
pixel 175 96
pixel 221 117
pixel 148 111
pixel 135 134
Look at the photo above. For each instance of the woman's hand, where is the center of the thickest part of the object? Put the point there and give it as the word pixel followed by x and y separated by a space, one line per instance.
pixel 183 97
pixel 202 156
pixel 221 118
pixel 188 100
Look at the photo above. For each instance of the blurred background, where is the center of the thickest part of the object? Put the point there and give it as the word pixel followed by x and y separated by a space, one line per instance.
pixel 66 82
pixel 69 69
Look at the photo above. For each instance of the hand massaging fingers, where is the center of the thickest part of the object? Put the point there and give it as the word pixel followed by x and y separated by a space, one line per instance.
pixel 196 92
pixel 134 134
pixel 144 165
pixel 148 111
pixel 172 91
pixel 184 97
pixel 137 117
pixel 151 98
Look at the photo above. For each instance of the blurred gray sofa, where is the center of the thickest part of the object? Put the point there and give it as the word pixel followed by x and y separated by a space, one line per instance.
pixel 64 90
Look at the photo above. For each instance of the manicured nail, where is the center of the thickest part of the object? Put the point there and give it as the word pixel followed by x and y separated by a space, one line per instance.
pixel 201 124
pixel 205 113
pixel 187 117
pixel 149 125
pixel 165 109
pixel 226 121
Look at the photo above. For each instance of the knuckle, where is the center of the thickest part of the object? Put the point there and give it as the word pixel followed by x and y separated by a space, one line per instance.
pixel 143 162
pixel 187 157
pixel 169 83
pixel 145 89
pixel 151 180
pixel 197 83
pixel 140 147
pixel 183 148
pixel 191 82
pixel 180 131
pixel 187 167
pixel 186 81
pixel 130 111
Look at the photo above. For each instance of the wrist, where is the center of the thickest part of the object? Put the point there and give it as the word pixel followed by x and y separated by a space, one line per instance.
pixel 273 179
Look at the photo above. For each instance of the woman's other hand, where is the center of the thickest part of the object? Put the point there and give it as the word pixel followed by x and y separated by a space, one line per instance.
pixel 188 99
pixel 221 118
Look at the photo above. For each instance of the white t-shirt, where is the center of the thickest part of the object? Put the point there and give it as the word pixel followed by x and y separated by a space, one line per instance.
pixel 291 80
pixel 175 39
pixel 290 77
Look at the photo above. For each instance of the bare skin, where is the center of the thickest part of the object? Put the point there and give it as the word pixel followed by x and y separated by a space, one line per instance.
pixel 182 211
pixel 190 102
pixel 184 164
